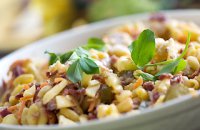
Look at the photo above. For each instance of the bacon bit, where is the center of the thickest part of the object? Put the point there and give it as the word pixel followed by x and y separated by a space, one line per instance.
pixel 12 108
pixel 92 116
pixel 28 103
pixel 17 71
pixel 136 103
pixel 57 80
pixel 36 93
pixel 17 67
pixel 19 95
pixel 76 93
pixel 149 85
pixel 99 78
pixel 21 108
pixel 165 76
pixel 51 106
pixel 196 73
pixel 26 87
pixel 176 79
pixel 156 95
pixel 43 84
pixel 51 116
pixel 74 86
pixel 26 98
pixel 113 59
pixel 92 106
pixel 126 77
pixel 4 112
pixel 138 83
pixel 50 74
pixel 180 51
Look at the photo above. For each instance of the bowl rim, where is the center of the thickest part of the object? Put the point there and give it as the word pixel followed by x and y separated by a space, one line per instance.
pixel 105 121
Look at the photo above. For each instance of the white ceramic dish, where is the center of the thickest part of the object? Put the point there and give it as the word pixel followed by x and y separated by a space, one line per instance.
pixel 179 114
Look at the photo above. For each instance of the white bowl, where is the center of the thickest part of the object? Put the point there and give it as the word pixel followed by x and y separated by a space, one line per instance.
pixel 179 114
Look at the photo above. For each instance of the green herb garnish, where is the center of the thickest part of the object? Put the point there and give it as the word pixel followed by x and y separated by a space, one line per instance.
pixel 168 68
pixel 178 64
pixel 147 76
pixel 55 57
pixel 74 72
pixel 88 65
pixel 181 66
pixel 95 43
pixel 143 49
pixel 81 62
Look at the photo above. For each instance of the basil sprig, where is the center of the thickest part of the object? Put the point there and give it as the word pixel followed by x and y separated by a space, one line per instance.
pixel 61 57
pixel 143 49
pixel 81 62
pixel 178 64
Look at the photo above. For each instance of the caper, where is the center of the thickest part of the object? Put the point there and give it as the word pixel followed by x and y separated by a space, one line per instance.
pixel 106 94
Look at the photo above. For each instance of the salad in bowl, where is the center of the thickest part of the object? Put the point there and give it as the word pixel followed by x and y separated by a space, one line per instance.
pixel 132 67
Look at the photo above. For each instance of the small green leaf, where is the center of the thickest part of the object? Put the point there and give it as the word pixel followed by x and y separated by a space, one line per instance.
pixel 65 57
pixel 89 66
pixel 147 77
pixel 74 72
pixel 73 57
pixel 80 63
pixel 53 57
pixel 81 52
pixel 95 43
pixel 143 48
pixel 181 66
pixel 168 68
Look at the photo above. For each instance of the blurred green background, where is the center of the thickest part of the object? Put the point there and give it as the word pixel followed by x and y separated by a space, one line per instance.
pixel 25 21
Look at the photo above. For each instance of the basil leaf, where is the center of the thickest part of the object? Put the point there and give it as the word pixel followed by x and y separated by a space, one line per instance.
pixel 143 48
pixel 53 57
pixel 65 57
pixel 168 68
pixel 181 66
pixel 95 43
pixel 74 72
pixel 81 52
pixel 89 66
pixel 147 77
pixel 73 57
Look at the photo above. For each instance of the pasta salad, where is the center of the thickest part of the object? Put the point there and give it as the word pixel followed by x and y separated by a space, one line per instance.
pixel 132 67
